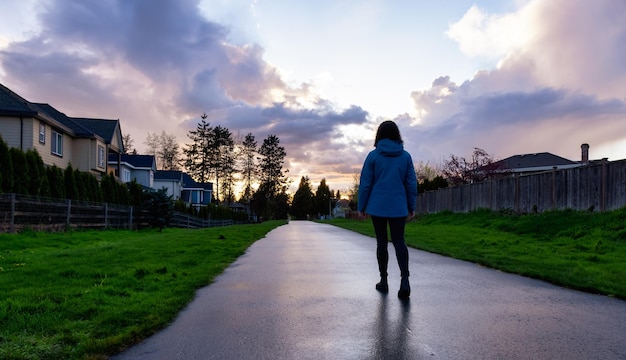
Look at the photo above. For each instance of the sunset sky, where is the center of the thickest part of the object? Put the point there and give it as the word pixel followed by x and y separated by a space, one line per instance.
pixel 508 76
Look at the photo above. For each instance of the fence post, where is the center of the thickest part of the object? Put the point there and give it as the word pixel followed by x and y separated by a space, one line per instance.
pixel 603 181
pixel 69 211
pixel 106 215
pixel 554 188
pixel 12 227
pixel 517 194
pixel 130 220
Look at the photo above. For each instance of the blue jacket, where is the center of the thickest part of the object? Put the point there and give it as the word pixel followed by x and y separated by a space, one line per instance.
pixel 388 186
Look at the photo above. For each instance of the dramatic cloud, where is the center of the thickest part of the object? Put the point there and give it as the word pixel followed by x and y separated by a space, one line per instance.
pixel 559 79
pixel 159 68
pixel 559 83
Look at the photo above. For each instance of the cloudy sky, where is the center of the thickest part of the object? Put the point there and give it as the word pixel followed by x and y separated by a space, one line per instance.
pixel 508 76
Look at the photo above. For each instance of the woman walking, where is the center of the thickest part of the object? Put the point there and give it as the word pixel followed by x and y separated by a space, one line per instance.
pixel 388 193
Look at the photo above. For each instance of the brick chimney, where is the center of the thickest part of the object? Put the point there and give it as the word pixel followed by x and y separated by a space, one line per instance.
pixel 584 153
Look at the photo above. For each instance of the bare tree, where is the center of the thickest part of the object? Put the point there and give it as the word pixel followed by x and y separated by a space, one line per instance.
pixel 169 152
pixel 426 171
pixel 479 167
pixel 127 144
pixel 165 150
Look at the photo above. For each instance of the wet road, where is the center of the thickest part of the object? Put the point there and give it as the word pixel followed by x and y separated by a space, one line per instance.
pixel 306 291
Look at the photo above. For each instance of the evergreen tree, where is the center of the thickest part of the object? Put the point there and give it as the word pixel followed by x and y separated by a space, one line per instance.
pixel 303 204
pixel 37 174
pixel 71 190
pixel 81 185
pixel 197 160
pixel 322 198
pixel 6 168
pixel 271 166
pixel 160 208
pixel 56 182
pixel 274 181
pixel 135 192
pixel 222 159
pixel 107 184
pixel 93 188
pixel 249 166
pixel 20 171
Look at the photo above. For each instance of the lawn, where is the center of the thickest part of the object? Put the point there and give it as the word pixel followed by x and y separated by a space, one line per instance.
pixel 579 250
pixel 87 295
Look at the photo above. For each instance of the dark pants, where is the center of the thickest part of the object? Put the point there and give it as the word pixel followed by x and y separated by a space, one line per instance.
pixel 396 229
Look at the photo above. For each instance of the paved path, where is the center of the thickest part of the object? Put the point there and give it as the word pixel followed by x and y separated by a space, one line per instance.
pixel 306 291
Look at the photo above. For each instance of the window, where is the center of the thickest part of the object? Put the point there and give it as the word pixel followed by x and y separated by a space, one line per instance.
pixel 101 156
pixel 125 175
pixel 42 133
pixel 57 143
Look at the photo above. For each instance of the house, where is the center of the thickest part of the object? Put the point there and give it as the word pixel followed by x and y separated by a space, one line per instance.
pixel 539 162
pixel 171 180
pixel 60 140
pixel 342 207
pixel 181 186
pixel 142 168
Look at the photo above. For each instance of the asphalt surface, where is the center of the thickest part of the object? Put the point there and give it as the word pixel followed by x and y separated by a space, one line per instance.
pixel 306 291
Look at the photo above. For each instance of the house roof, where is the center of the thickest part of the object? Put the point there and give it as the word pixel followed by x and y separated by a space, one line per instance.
pixel 106 128
pixel 135 160
pixel 536 160
pixel 187 181
pixel 12 104
pixel 168 175
pixel 79 129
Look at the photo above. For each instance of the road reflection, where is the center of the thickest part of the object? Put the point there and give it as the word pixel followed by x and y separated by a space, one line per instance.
pixel 391 330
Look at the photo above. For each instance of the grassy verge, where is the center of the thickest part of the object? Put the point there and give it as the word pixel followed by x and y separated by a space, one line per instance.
pixel 86 295
pixel 579 250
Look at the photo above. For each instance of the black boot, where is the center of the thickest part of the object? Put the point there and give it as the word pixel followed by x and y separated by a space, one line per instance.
pixel 405 288
pixel 382 286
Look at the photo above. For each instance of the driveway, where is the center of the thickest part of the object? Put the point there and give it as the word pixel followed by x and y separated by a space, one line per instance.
pixel 306 291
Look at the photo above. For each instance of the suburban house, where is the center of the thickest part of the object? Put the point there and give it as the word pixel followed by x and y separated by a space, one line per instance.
pixel 539 162
pixel 342 207
pixel 89 145
pixel 60 140
pixel 181 186
pixel 142 168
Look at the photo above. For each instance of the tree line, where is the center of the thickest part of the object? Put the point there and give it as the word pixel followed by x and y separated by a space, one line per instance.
pixel 214 154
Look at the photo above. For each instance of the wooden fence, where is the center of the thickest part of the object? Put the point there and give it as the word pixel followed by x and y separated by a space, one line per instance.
pixel 599 186
pixel 18 212
pixel 187 221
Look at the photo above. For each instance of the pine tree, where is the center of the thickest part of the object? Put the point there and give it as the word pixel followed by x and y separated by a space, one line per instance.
pixel 249 166
pixel 196 153
pixel 6 168
pixel 303 202
pixel 20 171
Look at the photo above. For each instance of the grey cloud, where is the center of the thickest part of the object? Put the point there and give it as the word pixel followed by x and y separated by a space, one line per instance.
pixel 310 124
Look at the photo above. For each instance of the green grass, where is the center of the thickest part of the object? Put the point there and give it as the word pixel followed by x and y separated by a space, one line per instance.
pixel 579 250
pixel 86 295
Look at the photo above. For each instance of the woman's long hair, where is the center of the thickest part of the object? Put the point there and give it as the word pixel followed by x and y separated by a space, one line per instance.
pixel 388 130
